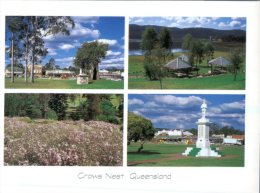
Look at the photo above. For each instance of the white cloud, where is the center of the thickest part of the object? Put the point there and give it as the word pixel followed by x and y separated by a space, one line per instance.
pixel 81 31
pixel 165 119
pixel 139 21
pixel 113 60
pixel 111 53
pixel 235 23
pixel 135 102
pixel 137 113
pixel 109 42
pixel 222 24
pixel 66 46
pixel 82 19
pixel 233 106
pixel 107 66
pixel 179 101
pixel 231 24
pixel 68 59
pixel 52 52
pixel 151 104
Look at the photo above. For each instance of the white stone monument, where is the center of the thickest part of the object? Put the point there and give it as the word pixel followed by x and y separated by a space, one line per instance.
pixel 82 78
pixel 203 148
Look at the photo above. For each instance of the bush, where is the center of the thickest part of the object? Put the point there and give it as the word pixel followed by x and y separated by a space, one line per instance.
pixel 52 115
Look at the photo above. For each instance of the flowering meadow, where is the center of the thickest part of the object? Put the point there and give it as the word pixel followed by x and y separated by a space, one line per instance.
pixel 43 142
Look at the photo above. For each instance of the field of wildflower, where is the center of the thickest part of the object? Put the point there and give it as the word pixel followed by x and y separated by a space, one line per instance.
pixel 42 142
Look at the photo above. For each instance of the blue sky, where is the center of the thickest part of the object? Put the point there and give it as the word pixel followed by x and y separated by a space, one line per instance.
pixel 183 111
pixel 223 23
pixel 109 30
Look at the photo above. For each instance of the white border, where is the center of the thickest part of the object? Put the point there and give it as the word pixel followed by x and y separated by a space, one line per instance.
pixel 184 179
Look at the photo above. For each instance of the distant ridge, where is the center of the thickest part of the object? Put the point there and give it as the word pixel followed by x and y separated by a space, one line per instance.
pixel 179 33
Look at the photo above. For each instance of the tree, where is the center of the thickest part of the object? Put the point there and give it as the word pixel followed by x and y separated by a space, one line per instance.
pixel 154 65
pixel 139 129
pixel 93 110
pixel 236 60
pixel 13 25
pixel 165 41
pixel 187 43
pixel 50 65
pixel 198 52
pixel 58 103
pixel 89 56
pixel 35 29
pixel 108 112
pixel 149 40
pixel 209 53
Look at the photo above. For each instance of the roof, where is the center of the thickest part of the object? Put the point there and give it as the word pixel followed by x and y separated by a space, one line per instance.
pixel 184 57
pixel 177 63
pixel 241 137
pixel 16 69
pixel 220 61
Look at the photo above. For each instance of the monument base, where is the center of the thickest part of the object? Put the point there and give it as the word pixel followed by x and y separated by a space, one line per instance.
pixel 82 79
pixel 201 152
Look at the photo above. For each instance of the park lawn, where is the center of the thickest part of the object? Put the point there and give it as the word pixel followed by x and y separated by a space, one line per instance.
pixel 161 154
pixel 63 84
pixel 217 82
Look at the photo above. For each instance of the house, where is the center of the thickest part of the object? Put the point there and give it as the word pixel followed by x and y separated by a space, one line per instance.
pixel 115 75
pixel 60 73
pixel 37 70
pixel 18 72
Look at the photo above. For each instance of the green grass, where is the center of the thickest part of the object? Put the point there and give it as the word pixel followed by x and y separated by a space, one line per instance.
pixel 219 82
pixel 63 84
pixel 161 154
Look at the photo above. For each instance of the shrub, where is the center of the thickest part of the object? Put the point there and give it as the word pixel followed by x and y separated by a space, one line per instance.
pixel 62 143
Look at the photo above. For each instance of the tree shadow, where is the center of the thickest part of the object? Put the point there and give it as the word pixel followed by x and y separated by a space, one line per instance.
pixel 137 164
pixel 145 152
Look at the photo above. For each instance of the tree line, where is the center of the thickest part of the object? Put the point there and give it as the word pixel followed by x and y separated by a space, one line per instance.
pixel 65 106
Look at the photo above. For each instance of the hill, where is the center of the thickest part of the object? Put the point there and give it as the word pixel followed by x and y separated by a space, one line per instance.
pixel 135 33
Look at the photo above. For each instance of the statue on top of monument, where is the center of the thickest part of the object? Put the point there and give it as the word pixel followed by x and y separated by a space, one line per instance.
pixel 203 108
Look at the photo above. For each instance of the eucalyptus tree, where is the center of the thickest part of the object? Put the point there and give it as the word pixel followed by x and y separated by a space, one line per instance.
pixel 209 52
pixel 165 41
pixel 149 41
pixel 13 26
pixel 41 27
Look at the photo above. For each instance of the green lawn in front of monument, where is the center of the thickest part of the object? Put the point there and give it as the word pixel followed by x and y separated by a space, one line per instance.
pixel 155 154
pixel 41 83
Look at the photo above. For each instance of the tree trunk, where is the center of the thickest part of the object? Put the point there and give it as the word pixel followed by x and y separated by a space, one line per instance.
pixel 26 62
pixel 33 48
pixel 12 65
pixel 161 83
pixel 141 147
pixel 26 54
pixel 235 75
